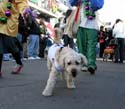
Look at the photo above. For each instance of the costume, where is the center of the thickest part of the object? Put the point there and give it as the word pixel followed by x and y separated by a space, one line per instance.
pixel 87 34
pixel 9 13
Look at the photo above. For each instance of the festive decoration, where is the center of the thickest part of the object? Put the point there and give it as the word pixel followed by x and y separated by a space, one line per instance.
pixel 7 13
pixel 90 14
pixel 3 20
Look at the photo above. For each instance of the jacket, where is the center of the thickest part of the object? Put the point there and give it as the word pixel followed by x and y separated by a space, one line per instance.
pixel 11 27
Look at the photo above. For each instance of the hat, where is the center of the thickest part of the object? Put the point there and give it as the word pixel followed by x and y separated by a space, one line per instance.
pixel 27 10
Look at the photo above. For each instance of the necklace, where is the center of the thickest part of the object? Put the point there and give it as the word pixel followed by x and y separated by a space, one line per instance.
pixel 7 12
pixel 90 14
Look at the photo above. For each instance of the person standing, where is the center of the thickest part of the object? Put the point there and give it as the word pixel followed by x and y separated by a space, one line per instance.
pixel 34 34
pixel 101 39
pixel 9 13
pixel 119 35
pixel 87 34
pixel 68 40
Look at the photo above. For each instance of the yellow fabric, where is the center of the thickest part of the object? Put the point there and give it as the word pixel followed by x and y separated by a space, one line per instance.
pixel 11 27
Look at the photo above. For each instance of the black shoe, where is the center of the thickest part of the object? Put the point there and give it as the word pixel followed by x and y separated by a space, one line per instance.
pixel 91 70
pixel 120 61
pixel 115 61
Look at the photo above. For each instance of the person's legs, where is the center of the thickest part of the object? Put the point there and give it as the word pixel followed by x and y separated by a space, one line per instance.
pixel 121 50
pixel 102 47
pixel 1 52
pixel 25 50
pixel 19 37
pixel 19 65
pixel 81 41
pixel 30 46
pixel 116 53
pixel 91 49
pixel 41 48
pixel 36 46
pixel 81 44
pixel 71 43
pixel 1 57
pixel 65 39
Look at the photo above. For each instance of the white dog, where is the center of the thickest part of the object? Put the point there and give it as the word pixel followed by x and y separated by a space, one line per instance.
pixel 62 60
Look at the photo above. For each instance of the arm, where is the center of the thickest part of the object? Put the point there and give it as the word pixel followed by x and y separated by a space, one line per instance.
pixel 22 5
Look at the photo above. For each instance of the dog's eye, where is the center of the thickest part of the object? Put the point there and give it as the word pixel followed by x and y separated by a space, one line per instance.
pixel 69 63
pixel 77 63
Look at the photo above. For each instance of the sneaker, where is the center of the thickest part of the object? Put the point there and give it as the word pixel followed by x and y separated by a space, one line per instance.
pixel 84 69
pixel 91 70
pixel 37 57
pixel 17 69
pixel 24 59
pixel 31 58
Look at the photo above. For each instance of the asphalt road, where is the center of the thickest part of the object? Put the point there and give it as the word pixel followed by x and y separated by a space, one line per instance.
pixel 104 90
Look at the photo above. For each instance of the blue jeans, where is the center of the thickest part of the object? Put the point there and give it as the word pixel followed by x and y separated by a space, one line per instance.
pixel 33 45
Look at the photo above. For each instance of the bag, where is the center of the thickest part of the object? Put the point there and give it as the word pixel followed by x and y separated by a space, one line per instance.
pixel 76 22
pixel 97 4
pixel 101 41
pixel 71 26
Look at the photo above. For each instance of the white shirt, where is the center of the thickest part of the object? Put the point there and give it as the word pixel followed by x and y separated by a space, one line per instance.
pixel 86 23
pixel 118 31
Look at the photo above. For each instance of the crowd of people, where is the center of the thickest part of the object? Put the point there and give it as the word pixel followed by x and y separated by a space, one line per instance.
pixel 114 37
pixel 26 37
pixel 34 37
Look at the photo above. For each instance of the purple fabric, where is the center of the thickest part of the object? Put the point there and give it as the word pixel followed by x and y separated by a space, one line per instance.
pixel 27 10
pixel 34 14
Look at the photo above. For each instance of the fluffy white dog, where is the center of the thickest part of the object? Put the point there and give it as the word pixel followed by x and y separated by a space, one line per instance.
pixel 64 61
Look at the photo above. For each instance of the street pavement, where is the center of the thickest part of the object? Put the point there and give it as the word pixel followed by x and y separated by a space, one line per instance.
pixel 104 90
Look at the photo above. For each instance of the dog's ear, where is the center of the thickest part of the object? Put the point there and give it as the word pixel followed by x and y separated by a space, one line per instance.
pixel 83 59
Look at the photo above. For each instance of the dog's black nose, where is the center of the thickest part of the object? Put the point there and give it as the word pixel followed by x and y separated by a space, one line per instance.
pixel 74 72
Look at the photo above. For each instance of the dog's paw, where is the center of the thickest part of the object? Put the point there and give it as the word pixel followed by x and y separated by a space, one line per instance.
pixel 46 93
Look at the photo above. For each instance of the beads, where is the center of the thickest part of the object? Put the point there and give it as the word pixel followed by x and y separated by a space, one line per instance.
pixel 7 13
pixel 90 14
pixel 9 5
pixel 3 20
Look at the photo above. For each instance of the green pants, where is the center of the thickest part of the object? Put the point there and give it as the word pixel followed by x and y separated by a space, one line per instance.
pixel 86 42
